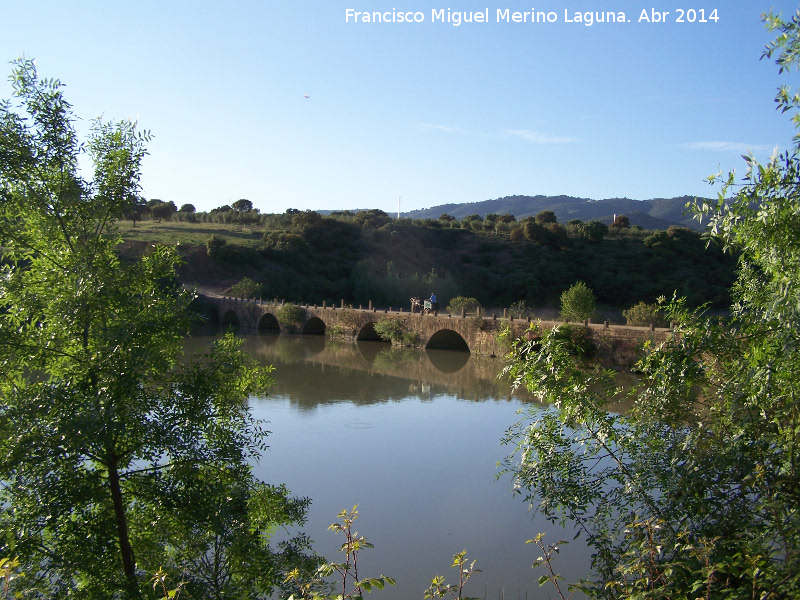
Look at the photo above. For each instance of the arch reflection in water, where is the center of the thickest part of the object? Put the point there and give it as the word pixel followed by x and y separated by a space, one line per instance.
pixel 447 339
pixel 448 361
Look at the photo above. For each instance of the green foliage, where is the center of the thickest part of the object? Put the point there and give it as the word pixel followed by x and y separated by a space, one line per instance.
pixel 117 456
pixel 693 492
pixel 578 303
pixel 439 588
pixel 247 288
pixel 644 315
pixel 548 234
pixel 9 572
pixel 461 303
pixel 242 205
pixel 621 222
pixel 594 231
pixel 390 329
pixel 577 340
pixel 290 315
pixel 319 587
pixel 546 216
pixel 215 245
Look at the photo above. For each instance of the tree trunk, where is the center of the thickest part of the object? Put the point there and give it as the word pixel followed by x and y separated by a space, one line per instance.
pixel 121 518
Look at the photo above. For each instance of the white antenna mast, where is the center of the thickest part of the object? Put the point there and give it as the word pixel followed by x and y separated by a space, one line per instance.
pixel 398 206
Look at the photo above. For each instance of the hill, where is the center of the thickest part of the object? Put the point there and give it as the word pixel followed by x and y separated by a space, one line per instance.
pixel 363 257
pixel 657 213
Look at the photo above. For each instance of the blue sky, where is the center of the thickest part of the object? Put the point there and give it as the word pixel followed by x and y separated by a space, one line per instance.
pixel 429 111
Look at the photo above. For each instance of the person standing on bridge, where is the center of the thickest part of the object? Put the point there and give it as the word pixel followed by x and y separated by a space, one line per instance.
pixel 434 303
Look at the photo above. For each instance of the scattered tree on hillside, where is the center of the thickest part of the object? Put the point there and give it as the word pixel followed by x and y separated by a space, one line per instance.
pixel 545 217
pixel 161 210
pixel 621 222
pixel 242 206
pixel 594 231
pixel 187 208
pixel 135 209
pixel 372 219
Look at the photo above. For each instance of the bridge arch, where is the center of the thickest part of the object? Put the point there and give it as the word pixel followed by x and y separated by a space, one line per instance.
pixel 268 322
pixel 229 318
pixel 368 333
pixel 314 326
pixel 447 339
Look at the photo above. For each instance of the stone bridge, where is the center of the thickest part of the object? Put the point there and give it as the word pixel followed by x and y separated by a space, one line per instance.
pixel 432 331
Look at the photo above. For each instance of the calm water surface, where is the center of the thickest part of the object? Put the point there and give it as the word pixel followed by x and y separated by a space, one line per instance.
pixel 413 438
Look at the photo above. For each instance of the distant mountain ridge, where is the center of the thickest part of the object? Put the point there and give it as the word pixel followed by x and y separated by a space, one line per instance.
pixel 657 213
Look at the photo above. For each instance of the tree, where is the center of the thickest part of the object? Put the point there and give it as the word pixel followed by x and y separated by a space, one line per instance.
pixel 116 456
pixel 162 210
pixel 187 208
pixel 546 216
pixel 578 303
pixel 135 209
pixel 242 206
pixel 621 222
pixel 594 231
pixel 693 493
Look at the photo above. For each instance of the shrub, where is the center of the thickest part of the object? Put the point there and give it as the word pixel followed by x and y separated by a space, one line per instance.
pixel 578 303
pixel 594 231
pixel 290 315
pixel 462 302
pixel 247 288
pixel 390 329
pixel 644 315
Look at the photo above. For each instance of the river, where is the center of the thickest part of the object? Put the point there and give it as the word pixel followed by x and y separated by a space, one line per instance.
pixel 413 438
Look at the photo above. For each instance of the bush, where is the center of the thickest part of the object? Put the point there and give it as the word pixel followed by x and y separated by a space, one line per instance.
pixel 290 315
pixel 461 302
pixel 644 315
pixel 578 303
pixel 594 231
pixel 390 329
pixel 247 288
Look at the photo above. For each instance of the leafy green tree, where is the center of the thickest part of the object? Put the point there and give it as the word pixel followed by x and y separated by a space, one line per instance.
pixel 621 222
pixel 693 493
pixel 116 457
pixel 242 206
pixel 135 209
pixel 546 216
pixel 594 231
pixel 578 303
pixel 371 219
pixel 187 208
pixel 161 210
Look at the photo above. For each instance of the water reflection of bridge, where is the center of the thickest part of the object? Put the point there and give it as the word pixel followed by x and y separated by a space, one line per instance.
pixel 369 372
